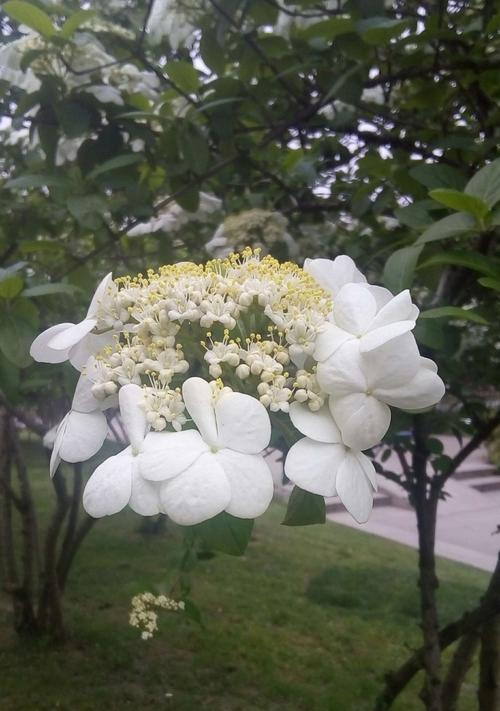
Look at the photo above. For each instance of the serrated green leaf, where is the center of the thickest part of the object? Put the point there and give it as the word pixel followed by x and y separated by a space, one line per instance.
pixel 461 202
pixel 76 21
pixel 27 14
pixel 455 313
pixel 24 182
pixel 304 508
pixel 11 287
pixel 49 289
pixel 184 75
pixel 490 283
pixel 225 533
pixel 450 226
pixel 485 184
pixel 400 268
pixel 471 260
pixel 436 175
pixel 380 30
pixel 114 163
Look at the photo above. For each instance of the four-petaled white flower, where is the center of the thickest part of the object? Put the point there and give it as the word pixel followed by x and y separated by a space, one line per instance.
pixel 370 314
pixel 117 481
pixel 363 385
pixel 217 467
pixel 322 464
pixel 74 341
pixel 82 431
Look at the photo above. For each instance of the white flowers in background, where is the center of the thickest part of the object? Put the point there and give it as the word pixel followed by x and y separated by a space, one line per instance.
pixel 319 344
pixel 170 19
pixel 173 217
pixel 143 615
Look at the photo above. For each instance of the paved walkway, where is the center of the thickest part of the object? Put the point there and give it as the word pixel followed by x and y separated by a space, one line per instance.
pixel 467 519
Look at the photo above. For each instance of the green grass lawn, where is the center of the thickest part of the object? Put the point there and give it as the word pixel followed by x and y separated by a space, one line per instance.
pixel 310 618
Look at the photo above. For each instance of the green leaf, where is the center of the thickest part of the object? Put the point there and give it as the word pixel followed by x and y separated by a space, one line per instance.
pixel 471 260
pixel 193 147
pixel 193 612
pixel 27 14
pixel 76 21
pixel 9 379
pixel 455 313
pixel 225 533
pixel 461 202
pixel 114 163
pixel 11 287
pixel 414 216
pixel 490 283
pixel 450 226
pixel 189 199
pixel 24 182
pixel 400 268
pixel 73 117
pixel 435 175
pixel 380 30
pixel 211 52
pixel 86 208
pixel 184 75
pixel 304 508
pixel 329 29
pixel 49 289
pixel 17 332
pixel 485 184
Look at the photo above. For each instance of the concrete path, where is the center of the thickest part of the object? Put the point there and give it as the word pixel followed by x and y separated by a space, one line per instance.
pixel 467 519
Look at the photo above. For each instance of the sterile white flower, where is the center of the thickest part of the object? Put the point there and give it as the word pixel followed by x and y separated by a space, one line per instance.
pixel 332 275
pixel 117 481
pixel 82 431
pixel 217 467
pixel 322 464
pixel 75 342
pixel 363 385
pixel 370 314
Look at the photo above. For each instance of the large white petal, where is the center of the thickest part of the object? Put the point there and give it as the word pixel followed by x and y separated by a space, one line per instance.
pixel 84 435
pixel 133 414
pixel 145 495
pixel 109 488
pixel 399 308
pixel 201 492
pixel 90 345
pixel 368 468
pixel 251 483
pixel 319 425
pixel 83 399
pixel 381 295
pixel 384 334
pixel 354 309
pixel 42 352
pixel 313 465
pixel 363 420
pixel 73 334
pixel 55 458
pixel 243 423
pixel 343 372
pixel 198 398
pixel 165 455
pixel 393 364
pixel 333 274
pixel 354 489
pixel 99 294
pixel 329 340
pixel 424 390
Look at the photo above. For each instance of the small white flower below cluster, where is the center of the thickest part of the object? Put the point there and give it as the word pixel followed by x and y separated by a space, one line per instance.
pixel 143 615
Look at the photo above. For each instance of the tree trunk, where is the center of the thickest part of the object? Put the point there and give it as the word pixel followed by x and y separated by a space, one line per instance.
pixel 426 510
pixel 489 666
pixel 457 671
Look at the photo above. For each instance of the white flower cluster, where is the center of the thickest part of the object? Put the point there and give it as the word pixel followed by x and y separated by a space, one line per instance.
pixel 143 615
pixel 317 345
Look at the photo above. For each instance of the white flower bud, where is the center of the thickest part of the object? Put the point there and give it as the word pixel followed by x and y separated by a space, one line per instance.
pixel 215 370
pixel 242 371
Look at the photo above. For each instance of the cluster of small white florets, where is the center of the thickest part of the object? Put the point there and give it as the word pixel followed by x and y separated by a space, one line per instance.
pixel 143 615
pixel 268 315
